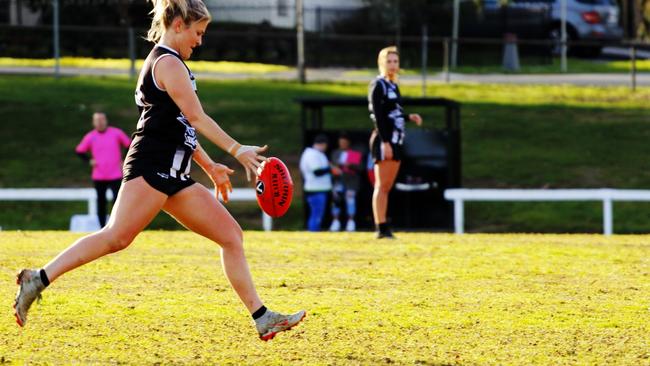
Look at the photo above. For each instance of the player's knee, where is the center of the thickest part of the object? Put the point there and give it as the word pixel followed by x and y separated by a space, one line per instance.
pixel 234 241
pixel 119 240
pixel 377 186
pixel 384 187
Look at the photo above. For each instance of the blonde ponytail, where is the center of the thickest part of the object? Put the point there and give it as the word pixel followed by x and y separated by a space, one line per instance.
pixel 383 57
pixel 165 11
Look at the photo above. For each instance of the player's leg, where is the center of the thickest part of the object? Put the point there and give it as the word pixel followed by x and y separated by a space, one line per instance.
pixel 100 188
pixel 197 209
pixel 351 207
pixel 385 174
pixel 137 204
pixel 114 186
pixel 316 202
pixel 337 205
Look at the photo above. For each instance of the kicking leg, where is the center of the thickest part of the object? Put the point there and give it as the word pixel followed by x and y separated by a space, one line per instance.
pixel 197 209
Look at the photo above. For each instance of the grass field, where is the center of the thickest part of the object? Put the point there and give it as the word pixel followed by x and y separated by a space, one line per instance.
pixel 528 66
pixel 513 136
pixel 227 67
pixel 424 299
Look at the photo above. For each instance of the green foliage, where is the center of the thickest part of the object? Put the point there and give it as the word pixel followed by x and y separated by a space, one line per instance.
pixel 424 299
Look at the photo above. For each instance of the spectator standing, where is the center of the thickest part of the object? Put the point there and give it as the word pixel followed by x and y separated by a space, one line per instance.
pixel 347 169
pixel 317 179
pixel 102 148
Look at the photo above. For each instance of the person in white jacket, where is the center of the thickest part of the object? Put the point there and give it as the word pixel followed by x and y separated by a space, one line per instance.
pixel 317 180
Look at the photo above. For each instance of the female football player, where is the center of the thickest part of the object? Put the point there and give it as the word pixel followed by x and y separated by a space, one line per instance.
pixel 157 166
pixel 387 139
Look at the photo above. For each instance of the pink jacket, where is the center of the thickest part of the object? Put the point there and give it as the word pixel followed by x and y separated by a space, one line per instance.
pixel 105 150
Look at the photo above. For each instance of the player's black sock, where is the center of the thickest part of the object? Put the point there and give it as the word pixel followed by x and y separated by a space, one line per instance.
pixel 44 279
pixel 383 228
pixel 259 312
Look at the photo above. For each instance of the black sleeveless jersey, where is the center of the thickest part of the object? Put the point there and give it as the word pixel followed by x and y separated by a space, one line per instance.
pixel 384 105
pixel 164 140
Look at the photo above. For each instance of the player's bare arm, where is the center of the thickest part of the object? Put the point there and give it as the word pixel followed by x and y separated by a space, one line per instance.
pixel 218 173
pixel 171 75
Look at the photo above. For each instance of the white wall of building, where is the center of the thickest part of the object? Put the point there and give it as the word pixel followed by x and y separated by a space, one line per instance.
pixel 22 15
pixel 280 13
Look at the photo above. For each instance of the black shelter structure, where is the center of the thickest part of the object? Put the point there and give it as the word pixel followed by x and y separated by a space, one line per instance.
pixel 431 163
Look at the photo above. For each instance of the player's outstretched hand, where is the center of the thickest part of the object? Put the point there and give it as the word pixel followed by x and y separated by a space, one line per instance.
pixel 416 118
pixel 250 158
pixel 219 174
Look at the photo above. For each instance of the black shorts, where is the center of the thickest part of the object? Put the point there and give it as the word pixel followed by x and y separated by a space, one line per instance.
pixel 377 150
pixel 159 181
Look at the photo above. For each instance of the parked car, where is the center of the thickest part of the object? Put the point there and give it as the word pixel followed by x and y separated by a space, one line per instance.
pixel 587 20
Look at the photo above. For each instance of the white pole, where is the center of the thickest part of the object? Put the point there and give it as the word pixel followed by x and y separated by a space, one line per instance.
pixel 300 36
pixel 608 217
pixel 55 36
pixel 459 216
pixel 563 15
pixel 454 35
pixel 267 222
pixel 92 206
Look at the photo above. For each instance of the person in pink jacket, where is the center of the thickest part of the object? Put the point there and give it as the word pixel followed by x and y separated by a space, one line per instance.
pixel 102 148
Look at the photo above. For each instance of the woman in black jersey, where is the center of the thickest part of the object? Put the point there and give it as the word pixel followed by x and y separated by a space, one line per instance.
pixel 387 139
pixel 157 166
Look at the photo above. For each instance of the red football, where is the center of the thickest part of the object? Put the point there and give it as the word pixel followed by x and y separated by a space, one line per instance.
pixel 274 187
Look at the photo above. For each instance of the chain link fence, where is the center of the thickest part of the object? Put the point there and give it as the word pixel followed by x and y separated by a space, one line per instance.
pixel 342 34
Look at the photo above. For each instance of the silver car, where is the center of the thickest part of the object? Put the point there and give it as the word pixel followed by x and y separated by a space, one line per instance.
pixel 587 20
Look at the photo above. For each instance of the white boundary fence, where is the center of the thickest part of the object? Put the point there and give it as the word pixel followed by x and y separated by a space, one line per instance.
pixel 89 195
pixel 607 196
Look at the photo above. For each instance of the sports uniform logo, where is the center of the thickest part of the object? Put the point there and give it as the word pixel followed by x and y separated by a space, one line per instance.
pixel 259 188
pixel 190 137
pixel 190 132
pixel 193 81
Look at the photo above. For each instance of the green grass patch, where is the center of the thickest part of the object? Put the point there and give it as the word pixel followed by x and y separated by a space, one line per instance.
pixel 225 67
pixel 425 299
pixel 528 66
pixel 531 66
pixel 512 136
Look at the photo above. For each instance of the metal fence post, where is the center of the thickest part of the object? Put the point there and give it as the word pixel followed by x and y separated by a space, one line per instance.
pixel 445 59
pixel 564 49
pixel 55 37
pixel 300 37
pixel 633 71
pixel 454 34
pixel 425 55
pixel 131 35
pixel 398 25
